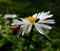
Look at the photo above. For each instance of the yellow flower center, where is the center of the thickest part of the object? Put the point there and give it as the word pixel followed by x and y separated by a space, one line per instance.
pixel 30 19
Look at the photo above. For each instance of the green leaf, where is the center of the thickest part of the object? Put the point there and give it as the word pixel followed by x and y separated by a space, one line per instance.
pixel 2 41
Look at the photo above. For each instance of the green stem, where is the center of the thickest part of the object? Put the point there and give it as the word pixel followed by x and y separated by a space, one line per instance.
pixel 30 39
pixel 10 19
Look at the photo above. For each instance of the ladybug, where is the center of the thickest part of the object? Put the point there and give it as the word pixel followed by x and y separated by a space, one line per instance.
pixel 15 29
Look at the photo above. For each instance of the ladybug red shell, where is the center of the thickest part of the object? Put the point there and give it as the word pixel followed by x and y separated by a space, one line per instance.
pixel 15 29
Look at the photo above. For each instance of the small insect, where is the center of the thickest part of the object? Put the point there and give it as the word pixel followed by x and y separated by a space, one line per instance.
pixel 15 29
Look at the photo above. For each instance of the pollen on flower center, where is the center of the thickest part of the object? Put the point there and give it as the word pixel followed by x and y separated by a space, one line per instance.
pixel 30 19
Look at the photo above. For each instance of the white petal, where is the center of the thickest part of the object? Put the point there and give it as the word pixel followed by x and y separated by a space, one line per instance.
pixel 16 22
pixel 35 15
pixel 5 16
pixel 19 32
pixel 44 15
pixel 24 29
pixel 49 22
pixel 45 26
pixel 25 21
pixel 10 16
pixel 47 16
pixel 38 15
pixel 39 28
pixel 29 28
pixel 14 16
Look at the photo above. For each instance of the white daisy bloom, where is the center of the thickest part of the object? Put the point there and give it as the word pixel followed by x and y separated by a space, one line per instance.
pixel 10 16
pixel 39 20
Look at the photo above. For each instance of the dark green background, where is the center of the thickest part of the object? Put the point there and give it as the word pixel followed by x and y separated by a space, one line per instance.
pixel 25 8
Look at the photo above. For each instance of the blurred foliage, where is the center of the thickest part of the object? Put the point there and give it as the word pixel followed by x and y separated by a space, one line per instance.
pixel 23 8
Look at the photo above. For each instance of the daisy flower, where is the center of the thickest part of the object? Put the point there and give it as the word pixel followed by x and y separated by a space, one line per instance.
pixel 39 20
pixel 10 16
